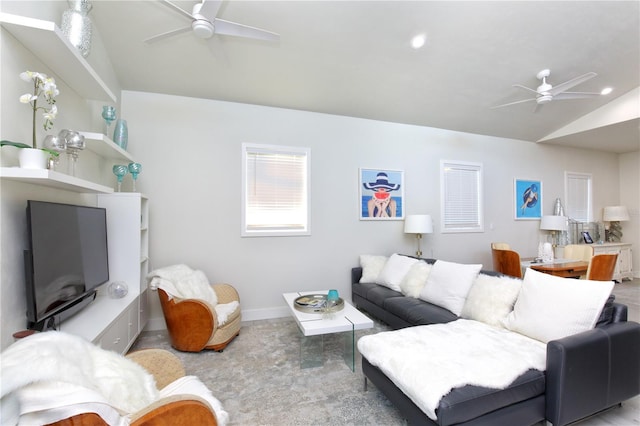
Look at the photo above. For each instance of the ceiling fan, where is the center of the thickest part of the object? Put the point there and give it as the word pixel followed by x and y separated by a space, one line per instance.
pixel 204 24
pixel 545 93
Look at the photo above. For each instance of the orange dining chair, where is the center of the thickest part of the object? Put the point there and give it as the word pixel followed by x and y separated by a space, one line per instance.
pixel 602 266
pixel 507 262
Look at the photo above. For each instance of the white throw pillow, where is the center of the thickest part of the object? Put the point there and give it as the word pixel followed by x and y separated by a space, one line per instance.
pixel 550 307
pixel 448 284
pixel 415 280
pixel 491 299
pixel 371 267
pixel 395 270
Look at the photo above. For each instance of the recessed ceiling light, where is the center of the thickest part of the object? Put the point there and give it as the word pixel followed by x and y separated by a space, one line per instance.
pixel 418 41
pixel 606 91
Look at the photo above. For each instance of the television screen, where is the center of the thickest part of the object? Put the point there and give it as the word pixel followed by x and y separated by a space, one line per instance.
pixel 67 256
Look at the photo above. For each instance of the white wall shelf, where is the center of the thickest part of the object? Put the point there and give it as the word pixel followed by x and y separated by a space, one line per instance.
pixel 105 147
pixel 47 42
pixel 53 179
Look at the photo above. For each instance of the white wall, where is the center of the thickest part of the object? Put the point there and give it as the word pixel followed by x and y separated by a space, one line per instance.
pixel 191 157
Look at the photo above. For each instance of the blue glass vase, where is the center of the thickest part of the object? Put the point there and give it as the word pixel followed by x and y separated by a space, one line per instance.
pixel 121 133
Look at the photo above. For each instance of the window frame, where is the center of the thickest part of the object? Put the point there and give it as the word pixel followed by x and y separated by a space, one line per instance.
pixel 569 208
pixel 280 231
pixel 478 226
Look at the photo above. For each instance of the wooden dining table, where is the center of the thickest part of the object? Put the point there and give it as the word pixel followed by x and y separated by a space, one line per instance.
pixel 565 269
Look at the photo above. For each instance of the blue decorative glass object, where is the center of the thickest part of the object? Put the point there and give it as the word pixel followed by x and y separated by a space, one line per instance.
pixel 109 115
pixel 121 133
pixel 333 296
pixel 120 171
pixel 135 169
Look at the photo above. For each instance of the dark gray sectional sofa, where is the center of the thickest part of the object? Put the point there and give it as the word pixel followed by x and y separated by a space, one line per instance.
pixel 586 372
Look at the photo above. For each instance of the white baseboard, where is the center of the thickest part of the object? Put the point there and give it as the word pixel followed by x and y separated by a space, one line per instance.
pixel 155 324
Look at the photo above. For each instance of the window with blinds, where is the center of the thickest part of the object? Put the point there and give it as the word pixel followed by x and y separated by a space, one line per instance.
pixel 578 196
pixel 461 196
pixel 275 190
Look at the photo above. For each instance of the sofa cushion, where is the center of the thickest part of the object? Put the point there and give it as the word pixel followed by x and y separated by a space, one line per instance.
pixel 415 280
pixel 371 267
pixel 378 294
pixel 394 271
pixel 418 312
pixel 491 299
pixel 361 289
pixel 448 284
pixel 550 308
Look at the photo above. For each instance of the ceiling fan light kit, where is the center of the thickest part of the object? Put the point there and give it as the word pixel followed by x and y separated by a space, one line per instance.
pixel 205 24
pixel 546 92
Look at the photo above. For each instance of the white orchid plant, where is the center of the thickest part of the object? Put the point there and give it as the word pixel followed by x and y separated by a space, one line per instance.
pixel 43 88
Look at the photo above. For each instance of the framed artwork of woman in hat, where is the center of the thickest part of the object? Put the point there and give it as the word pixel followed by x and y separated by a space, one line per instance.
pixel 381 194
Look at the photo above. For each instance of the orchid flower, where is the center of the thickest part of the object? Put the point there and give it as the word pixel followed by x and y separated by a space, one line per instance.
pixel 42 86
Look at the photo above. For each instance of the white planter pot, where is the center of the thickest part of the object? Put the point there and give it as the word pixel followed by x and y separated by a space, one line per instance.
pixel 31 158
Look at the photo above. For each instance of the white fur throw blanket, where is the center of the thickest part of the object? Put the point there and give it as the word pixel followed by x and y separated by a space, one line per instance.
pixel 53 375
pixel 183 282
pixel 427 362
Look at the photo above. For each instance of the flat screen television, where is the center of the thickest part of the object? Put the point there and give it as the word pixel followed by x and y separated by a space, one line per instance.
pixel 66 260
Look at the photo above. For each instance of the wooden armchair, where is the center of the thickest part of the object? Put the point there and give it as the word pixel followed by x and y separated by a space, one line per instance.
pixel 193 324
pixel 178 410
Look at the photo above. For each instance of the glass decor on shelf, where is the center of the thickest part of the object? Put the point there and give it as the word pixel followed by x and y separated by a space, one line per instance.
pixel 121 134
pixel 135 169
pixel 120 171
pixel 109 115
pixel 77 27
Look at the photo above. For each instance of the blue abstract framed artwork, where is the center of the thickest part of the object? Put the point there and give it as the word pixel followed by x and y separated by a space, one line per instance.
pixel 381 194
pixel 528 199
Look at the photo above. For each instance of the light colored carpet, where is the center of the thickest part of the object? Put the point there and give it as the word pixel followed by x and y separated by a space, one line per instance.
pixel 259 381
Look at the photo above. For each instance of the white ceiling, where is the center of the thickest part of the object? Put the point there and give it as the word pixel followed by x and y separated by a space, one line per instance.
pixel 353 58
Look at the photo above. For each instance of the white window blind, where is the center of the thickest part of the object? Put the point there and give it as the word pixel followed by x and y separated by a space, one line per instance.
pixel 461 194
pixel 578 196
pixel 276 190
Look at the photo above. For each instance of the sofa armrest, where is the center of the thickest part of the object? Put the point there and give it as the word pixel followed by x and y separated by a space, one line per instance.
pixel 591 371
pixel 356 274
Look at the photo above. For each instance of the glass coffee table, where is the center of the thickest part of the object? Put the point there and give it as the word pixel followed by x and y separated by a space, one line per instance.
pixel 314 325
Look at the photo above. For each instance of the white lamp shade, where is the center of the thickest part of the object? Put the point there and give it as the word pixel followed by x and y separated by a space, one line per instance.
pixel 554 223
pixel 418 224
pixel 615 214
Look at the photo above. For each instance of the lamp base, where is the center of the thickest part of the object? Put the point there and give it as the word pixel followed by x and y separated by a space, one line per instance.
pixel 614 233
pixel 418 252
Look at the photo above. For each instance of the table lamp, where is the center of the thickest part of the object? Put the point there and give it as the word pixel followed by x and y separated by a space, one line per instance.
pixel 614 215
pixel 418 224
pixel 554 224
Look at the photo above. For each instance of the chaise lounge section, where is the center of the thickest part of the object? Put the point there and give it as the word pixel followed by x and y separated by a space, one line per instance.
pixel 582 374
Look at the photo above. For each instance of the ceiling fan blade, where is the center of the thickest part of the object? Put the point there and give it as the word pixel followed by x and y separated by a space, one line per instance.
pixel 576 95
pixel 239 30
pixel 513 103
pixel 167 34
pixel 562 87
pixel 210 9
pixel 525 88
pixel 178 9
